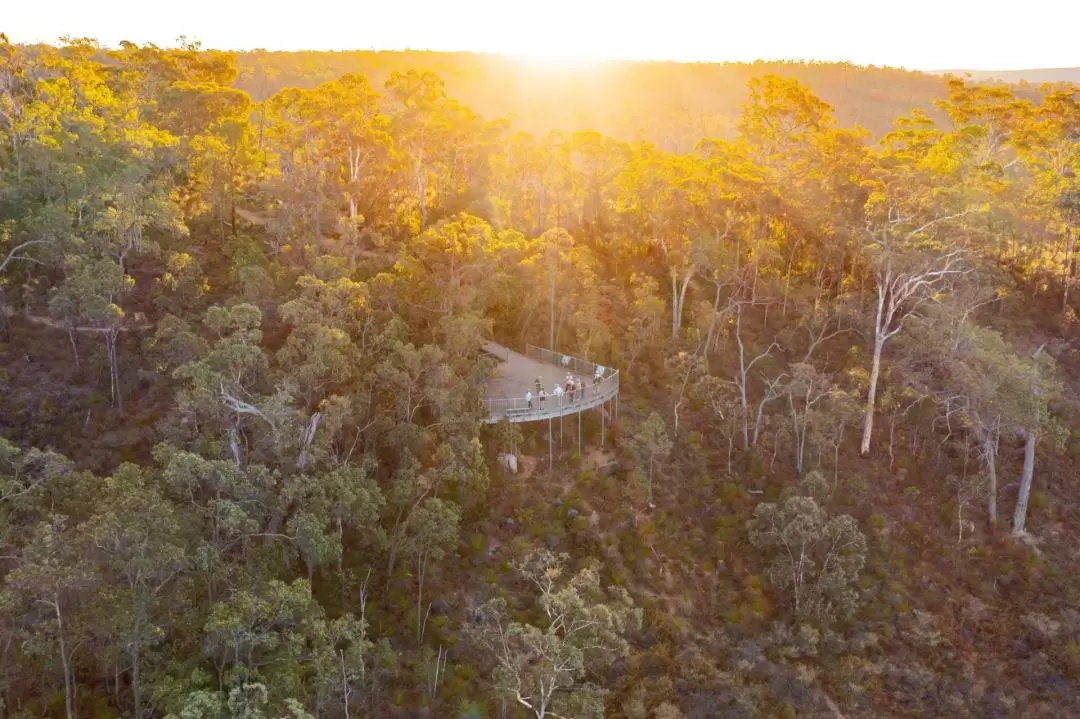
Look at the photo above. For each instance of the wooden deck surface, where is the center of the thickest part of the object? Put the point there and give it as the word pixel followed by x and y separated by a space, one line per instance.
pixel 516 373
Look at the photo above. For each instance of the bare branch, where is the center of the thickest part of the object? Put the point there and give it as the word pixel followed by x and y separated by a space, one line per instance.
pixel 936 220
pixel 14 255
pixel 241 407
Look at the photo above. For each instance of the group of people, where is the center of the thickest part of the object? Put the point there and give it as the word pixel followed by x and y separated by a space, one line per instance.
pixel 575 386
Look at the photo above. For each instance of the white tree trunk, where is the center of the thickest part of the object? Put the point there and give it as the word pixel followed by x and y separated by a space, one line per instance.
pixel 712 322
pixel 871 394
pixel 989 451
pixel 1025 484
pixel 65 661
pixel 114 373
pixel 677 319
pixel 674 306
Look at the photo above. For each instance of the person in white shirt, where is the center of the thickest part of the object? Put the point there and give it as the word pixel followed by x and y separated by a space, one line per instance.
pixel 528 397
pixel 558 392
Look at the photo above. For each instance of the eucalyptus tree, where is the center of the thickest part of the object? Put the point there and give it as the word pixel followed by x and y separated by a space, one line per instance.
pixel 913 243
pixel 816 558
pixel 662 196
pixel 52 577
pixel 139 543
pixel 421 122
pixel 543 667
pixel 91 296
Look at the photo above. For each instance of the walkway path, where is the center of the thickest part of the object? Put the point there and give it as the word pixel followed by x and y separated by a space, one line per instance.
pixel 517 373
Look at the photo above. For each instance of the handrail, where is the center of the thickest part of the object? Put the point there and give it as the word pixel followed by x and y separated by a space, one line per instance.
pixel 592 395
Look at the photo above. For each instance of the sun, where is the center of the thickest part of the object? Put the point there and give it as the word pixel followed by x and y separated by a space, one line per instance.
pixel 556 52
pixel 557 60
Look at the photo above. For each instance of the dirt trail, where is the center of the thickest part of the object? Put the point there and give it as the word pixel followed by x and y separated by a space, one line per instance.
pixel 51 322
pixel 252 217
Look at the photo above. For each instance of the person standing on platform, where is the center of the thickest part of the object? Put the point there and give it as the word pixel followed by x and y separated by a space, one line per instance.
pixel 542 395
pixel 570 389
pixel 580 387
pixel 528 397
pixel 558 392
pixel 538 385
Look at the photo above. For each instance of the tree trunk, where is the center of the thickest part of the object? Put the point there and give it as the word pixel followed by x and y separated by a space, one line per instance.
pixel 1025 484
pixel 421 566
pixel 678 308
pixel 73 341
pixel 787 280
pixel 65 661
pixel 836 455
pixel 730 447
pixel 712 321
pixel 5 325
pixel 799 427
pixel 234 444
pixel 1067 275
pixel 136 690
pixel 114 373
pixel 758 420
pixel 17 155
pixel 871 395
pixel 989 451
pixel 346 690
pixel 743 403
pixel 674 306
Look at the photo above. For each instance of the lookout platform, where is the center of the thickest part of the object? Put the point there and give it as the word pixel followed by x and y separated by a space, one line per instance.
pixel 516 374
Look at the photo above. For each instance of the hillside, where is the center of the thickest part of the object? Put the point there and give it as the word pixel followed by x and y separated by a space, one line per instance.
pixel 1034 77
pixel 671 103
pixel 256 434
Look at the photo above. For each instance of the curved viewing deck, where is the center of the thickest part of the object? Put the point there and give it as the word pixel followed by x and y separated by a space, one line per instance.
pixel 517 373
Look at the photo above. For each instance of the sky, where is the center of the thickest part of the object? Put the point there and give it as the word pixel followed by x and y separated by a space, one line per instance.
pixel 916 34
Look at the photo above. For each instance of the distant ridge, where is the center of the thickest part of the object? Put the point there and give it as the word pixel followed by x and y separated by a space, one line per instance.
pixel 1034 76
pixel 671 104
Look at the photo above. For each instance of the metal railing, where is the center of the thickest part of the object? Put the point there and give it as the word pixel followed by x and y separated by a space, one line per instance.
pixel 569 362
pixel 517 409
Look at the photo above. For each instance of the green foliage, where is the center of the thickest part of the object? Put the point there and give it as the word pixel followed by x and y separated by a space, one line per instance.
pixel 542 667
pixel 292 292
pixel 815 558
pixel 651 444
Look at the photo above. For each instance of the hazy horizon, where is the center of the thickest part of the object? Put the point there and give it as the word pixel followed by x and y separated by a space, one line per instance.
pixel 928 36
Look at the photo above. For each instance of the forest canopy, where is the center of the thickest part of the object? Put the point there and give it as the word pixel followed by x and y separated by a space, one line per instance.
pixel 246 469
pixel 670 104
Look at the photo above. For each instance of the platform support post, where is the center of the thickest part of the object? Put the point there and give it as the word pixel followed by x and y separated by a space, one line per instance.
pixel 561 430
pixel 579 432
pixel 602 424
pixel 551 467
